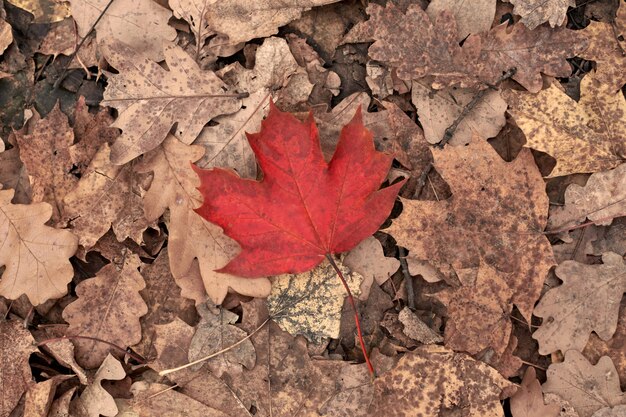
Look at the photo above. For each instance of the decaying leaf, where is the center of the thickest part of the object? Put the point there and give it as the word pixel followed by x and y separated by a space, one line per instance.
pixel 13 175
pixel 140 24
pixel 16 345
pixel 191 237
pixel 470 16
pixel 194 13
pixel 45 11
pixel 528 400
pixel 95 400
pixel 310 303
pixel 588 300
pixel 587 136
pixel 497 213
pixel 35 256
pixel 416 329
pixel 6 38
pixel 478 313
pixel 617 411
pixel 171 343
pixel 39 396
pixel 586 387
pixel 150 100
pixel 536 12
pixel 433 378
pixel 609 239
pixel 369 260
pixel 63 351
pixel 108 308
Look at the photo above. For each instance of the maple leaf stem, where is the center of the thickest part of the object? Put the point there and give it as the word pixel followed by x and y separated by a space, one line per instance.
pixel 356 314
pixel 94 339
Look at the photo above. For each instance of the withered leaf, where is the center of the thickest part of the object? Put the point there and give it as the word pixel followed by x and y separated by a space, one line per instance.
pixel 588 300
pixel 45 11
pixel 13 175
pixel 108 307
pixel 536 12
pixel 95 400
pixel 35 256
pixel 193 12
pixel 528 400
pixel 497 213
pixel 471 16
pixel 150 100
pixel 39 396
pixel 16 345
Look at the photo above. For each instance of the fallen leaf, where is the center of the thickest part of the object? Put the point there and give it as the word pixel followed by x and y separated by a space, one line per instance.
pixel 191 237
pixel 528 400
pixel 478 313
pixel 588 136
pixel 609 239
pixel 470 16
pixel 369 260
pixel 35 256
pixel 61 406
pixel 62 351
pixel 416 329
pixel 150 100
pixel 588 300
pixel 586 387
pixel 215 332
pixel 108 308
pixel 304 207
pixel 140 24
pixel 566 408
pixel 16 345
pixel 43 147
pixel 617 411
pixel 6 35
pixel 13 175
pixel 171 343
pixel 433 378
pixel 507 364
pixel 193 12
pixel 437 110
pixel 45 11
pixel 536 12
pixel 39 396
pixel 310 303
pixel 497 212
pixel 95 400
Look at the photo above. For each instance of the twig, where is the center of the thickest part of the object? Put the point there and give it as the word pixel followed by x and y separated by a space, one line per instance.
pixel 470 106
pixel 212 355
pixel 408 279
pixel 94 339
pixel 421 181
pixel 356 314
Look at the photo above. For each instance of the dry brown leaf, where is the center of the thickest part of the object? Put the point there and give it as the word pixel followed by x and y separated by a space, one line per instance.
pixel 16 345
pixel 437 111
pixel 45 11
pixel 95 400
pixel 471 16
pixel 191 237
pixel 507 364
pixel 369 260
pixel 536 12
pixel 566 408
pixel 171 343
pixel 39 396
pixel 214 332
pixel 63 351
pixel 150 100
pixel 106 196
pixel 35 256
pixel 528 400
pixel 310 303
pixel 108 308
pixel 497 212
pixel 43 147
pixel 586 387
pixel 617 411
pixel 601 200
pixel 6 35
pixel 478 313
pixel 141 24
pixel 433 378
pixel 588 136
pixel 61 406
pixel 193 12
pixel 587 301
pixel 609 239
pixel 13 175
pixel 416 329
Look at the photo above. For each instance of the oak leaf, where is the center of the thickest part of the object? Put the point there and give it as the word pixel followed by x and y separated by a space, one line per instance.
pixel 193 12
pixel 16 345
pixel 108 308
pixel 528 400
pixel 536 12
pixel 588 300
pixel 95 400
pixel 471 16
pixel 39 396
pixel 191 237
pixel 304 208
pixel 13 174
pixel 497 213
pixel 588 388
pixel 35 256
pixel 150 100
pixel 609 239
pixel 45 11
pixel 587 136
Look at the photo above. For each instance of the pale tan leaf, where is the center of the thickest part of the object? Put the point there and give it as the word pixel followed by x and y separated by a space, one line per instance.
pixel 39 396
pixel 471 16
pixel 16 345
pixel 536 12
pixel 416 329
pixel 95 400
pixel 61 406
pixel 63 351
pixel 528 400
pixel 617 411
pixel 6 38
pixel 194 13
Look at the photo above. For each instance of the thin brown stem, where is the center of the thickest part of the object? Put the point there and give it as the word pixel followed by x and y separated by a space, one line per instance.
pixel 408 279
pixel 94 339
pixel 356 314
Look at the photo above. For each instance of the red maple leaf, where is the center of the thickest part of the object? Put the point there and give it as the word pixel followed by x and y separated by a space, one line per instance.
pixel 304 208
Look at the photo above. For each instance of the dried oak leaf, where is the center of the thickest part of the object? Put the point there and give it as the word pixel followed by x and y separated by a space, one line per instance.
pixel 13 175
pixel 433 378
pixel 108 308
pixel 35 256
pixel 304 208
pixel 588 300
pixel 191 237
pixel 497 213
pixel 106 196
pixel 471 16
pixel 433 50
pixel 439 109
pixel 150 99
pixel 606 50
pixel 601 200
pixel 44 147
pixel 588 136
pixel 617 411
pixel 310 303
pixel 140 24
pixel 193 12
pixel 45 11
pixel 6 38
pixel 16 345
pixel 478 313
pixel 609 239
pixel 536 12
pixel 39 396
pixel 586 387
pixel 369 260
pixel 95 400
pixel 528 400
